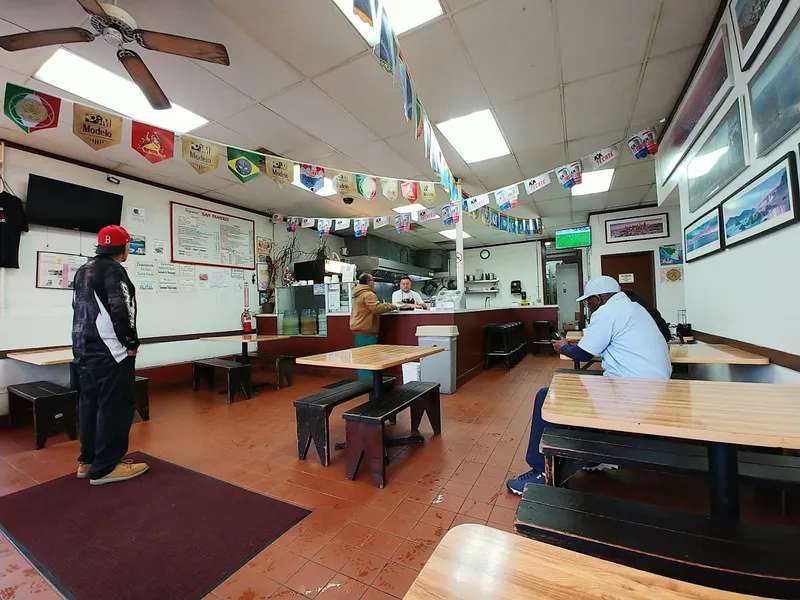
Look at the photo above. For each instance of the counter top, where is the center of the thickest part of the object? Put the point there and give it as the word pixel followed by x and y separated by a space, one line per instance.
pixel 433 311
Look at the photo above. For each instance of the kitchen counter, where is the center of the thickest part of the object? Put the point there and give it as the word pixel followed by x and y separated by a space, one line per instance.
pixel 441 311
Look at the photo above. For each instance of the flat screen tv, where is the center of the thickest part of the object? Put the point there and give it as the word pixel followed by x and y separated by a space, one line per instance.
pixel 579 237
pixel 54 203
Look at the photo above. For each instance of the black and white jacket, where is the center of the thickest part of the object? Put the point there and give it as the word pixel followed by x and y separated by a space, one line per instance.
pixel 104 318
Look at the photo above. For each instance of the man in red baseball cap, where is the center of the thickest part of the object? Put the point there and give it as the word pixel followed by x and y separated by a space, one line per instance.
pixel 105 343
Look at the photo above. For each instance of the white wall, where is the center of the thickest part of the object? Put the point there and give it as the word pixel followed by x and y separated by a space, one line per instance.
pixel 749 292
pixel 31 317
pixel 508 262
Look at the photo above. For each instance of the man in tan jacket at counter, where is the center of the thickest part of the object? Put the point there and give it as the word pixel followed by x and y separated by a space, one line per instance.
pixel 365 321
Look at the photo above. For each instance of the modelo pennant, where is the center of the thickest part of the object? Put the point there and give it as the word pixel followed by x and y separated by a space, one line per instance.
pixel 243 164
pixel 280 170
pixel 154 143
pixel 343 182
pixel 31 110
pixel 96 128
pixel 202 156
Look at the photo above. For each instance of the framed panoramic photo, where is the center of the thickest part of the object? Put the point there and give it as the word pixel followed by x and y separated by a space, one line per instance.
pixel 718 160
pixel 775 92
pixel 631 229
pixel 711 85
pixel 703 237
pixel 763 204
pixel 753 21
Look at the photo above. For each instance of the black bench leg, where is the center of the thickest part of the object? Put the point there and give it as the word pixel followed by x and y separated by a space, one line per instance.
pixel 375 452
pixel 723 472
pixel 303 431
pixel 393 419
pixel 355 448
pixel 434 411
pixel 321 434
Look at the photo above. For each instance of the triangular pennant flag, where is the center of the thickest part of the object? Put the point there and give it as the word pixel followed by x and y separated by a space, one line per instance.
pixel 307 222
pixel 387 52
pixel 367 186
pixel 201 155
pixel 406 85
pixel 341 224
pixel 426 136
pixel 649 138
pixel 365 10
pixel 379 222
pixel 565 177
pixel 419 118
pixel 494 218
pixel 503 222
pixel 31 110
pixel 427 191
pixel 276 218
pixel 324 226
pixel 410 190
pixel 451 214
pixel 243 164
pixel 389 189
pixel 511 224
pixel 602 157
pixel 280 170
pixel 96 128
pixel 485 211
pixel 360 225
pixel 638 147
pixel 312 177
pixel 536 183
pixel 154 143
pixel 343 182
pixel 507 197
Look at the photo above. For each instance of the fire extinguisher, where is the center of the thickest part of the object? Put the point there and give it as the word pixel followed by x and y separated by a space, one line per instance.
pixel 247 321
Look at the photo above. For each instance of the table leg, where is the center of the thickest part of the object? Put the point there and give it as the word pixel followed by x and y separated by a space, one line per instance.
pixel 723 475
pixel 245 353
pixel 377 385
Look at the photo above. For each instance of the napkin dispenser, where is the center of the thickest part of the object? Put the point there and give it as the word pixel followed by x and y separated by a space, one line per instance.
pixel 516 287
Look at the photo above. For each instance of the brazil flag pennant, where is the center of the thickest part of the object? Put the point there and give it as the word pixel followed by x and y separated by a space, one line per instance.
pixel 31 110
pixel 243 164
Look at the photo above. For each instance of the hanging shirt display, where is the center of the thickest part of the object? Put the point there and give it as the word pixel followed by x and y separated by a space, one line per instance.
pixel 12 224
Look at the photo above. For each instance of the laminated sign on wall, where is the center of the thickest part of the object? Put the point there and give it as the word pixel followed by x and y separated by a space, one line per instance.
pixel 207 237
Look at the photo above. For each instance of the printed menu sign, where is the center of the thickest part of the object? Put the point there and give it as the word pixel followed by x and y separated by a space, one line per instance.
pixel 56 271
pixel 206 237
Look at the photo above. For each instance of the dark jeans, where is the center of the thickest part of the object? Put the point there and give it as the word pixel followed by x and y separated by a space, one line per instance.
pixel 105 412
pixel 534 458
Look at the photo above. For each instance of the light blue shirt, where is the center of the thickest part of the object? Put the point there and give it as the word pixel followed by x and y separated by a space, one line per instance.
pixel 627 338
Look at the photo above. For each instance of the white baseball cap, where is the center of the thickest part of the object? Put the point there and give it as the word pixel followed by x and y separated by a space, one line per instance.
pixel 600 285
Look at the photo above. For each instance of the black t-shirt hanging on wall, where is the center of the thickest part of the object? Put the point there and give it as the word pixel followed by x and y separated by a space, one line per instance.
pixel 12 224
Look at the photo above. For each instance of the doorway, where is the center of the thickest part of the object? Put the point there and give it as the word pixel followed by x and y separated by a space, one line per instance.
pixel 567 292
pixel 635 272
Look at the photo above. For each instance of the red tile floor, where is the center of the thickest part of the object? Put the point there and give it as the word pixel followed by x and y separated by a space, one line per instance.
pixel 359 541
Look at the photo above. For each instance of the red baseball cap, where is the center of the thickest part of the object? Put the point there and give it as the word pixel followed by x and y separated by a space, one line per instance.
pixel 112 239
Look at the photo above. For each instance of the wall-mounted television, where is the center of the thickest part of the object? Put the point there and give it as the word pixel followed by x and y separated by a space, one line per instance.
pixel 54 203
pixel 578 237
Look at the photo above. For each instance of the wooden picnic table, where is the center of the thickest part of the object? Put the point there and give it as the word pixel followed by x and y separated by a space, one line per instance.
pixel 723 413
pixel 476 562
pixel 44 358
pixel 245 339
pixel 702 354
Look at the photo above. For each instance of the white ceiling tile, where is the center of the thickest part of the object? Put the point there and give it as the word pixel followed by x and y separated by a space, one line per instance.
pixel 541 160
pixel 651 197
pixel 554 191
pixel 497 172
pixel 627 196
pixel 642 173
pixel 658 92
pixel 411 150
pixel 532 122
pixel 379 158
pixel 445 80
pixel 267 129
pixel 580 217
pixel 683 24
pixel 598 37
pixel 217 133
pixel 627 157
pixel 553 208
pixel 519 62
pixel 589 202
pixel 601 104
pixel 583 147
pixel 554 222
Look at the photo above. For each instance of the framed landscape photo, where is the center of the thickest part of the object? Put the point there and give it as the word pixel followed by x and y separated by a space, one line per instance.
pixel 718 160
pixel 711 85
pixel 703 237
pixel 775 92
pixel 764 204
pixel 753 21
pixel 632 229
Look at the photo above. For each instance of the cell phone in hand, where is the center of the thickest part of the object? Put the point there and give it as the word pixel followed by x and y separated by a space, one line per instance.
pixel 555 336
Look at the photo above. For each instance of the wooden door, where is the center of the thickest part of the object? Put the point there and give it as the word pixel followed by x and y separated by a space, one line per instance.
pixel 639 266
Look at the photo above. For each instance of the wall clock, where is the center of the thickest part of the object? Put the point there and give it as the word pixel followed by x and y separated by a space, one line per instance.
pixel 485 254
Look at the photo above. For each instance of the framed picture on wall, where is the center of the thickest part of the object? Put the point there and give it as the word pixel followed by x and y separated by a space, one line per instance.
pixel 632 229
pixel 710 86
pixel 764 204
pixel 718 160
pixel 775 92
pixel 753 21
pixel 703 237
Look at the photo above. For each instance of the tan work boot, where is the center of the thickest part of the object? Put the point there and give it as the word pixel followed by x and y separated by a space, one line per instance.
pixel 122 472
pixel 83 471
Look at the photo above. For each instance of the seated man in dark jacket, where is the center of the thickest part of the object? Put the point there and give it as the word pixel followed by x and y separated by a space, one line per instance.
pixel 663 327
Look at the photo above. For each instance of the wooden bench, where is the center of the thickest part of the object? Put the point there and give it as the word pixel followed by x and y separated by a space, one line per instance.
pixel 141 397
pixel 313 413
pixel 742 557
pixel 365 425
pixel 568 450
pixel 284 365
pixel 238 375
pixel 54 407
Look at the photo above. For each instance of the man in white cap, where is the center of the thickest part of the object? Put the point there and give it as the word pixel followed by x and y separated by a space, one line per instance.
pixel 627 338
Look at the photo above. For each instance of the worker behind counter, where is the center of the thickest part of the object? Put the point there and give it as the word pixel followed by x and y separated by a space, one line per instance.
pixel 407 299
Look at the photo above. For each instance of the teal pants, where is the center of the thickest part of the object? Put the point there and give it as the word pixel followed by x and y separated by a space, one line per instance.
pixel 365 340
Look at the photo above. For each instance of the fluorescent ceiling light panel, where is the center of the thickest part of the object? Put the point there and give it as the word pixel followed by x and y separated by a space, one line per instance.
pixel 594 182
pixel 475 137
pixel 83 78
pixel 327 188
pixel 403 15
pixel 410 208
pixel 450 234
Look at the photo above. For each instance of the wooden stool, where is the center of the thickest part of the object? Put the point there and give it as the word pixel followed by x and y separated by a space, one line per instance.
pixel 238 376
pixel 55 409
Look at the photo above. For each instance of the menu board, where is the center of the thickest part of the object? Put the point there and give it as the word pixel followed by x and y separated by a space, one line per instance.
pixel 56 270
pixel 205 237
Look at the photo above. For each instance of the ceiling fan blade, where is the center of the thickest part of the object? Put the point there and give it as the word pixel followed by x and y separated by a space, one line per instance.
pixel 142 77
pixel 93 8
pixel 45 37
pixel 182 46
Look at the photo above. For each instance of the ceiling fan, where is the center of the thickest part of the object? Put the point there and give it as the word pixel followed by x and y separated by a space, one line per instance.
pixel 117 28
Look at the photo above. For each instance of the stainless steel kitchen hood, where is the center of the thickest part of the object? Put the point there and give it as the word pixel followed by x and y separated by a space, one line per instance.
pixel 390 271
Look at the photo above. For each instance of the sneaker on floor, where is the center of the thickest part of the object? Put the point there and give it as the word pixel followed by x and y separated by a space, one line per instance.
pixel 83 471
pixel 600 467
pixel 122 472
pixel 517 485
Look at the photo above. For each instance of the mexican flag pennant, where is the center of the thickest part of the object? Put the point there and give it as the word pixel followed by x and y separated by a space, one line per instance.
pixel 201 155
pixel 31 110
pixel 154 143
pixel 367 186
pixel 389 189
pixel 243 164
pixel 410 190
pixel 96 128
